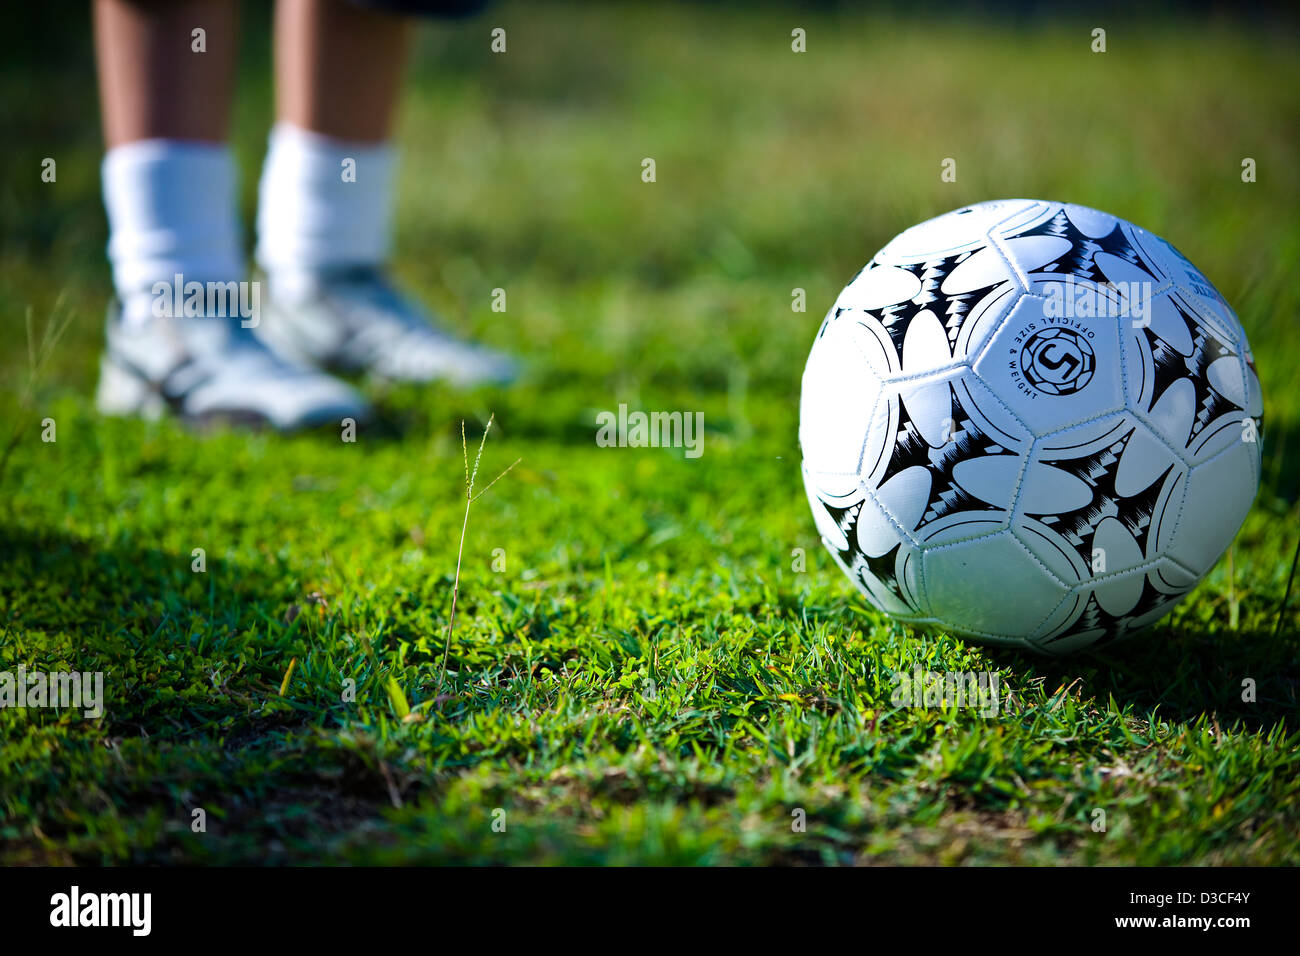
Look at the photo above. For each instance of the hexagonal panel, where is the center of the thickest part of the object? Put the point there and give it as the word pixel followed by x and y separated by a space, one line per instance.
pixel 1063 241
pixel 1092 223
pixel 961 230
pixel 828 527
pixel 878 558
pixel 947 457
pixel 992 416
pixel 1219 495
pixel 990 586
pixel 1151 364
pixel 971 333
pixel 1221 415
pixel 945 324
pixel 1054 371
pixel 1196 290
pixel 1107 494
pixel 1030 253
pixel 1024 215
pixel 932 315
pixel 1050 546
pixel 1171 579
pixel 1186 380
pixel 1254 394
pixel 878 286
pixel 925 344
pixel 1221 434
pixel 1064 219
pixel 841 386
pixel 1117 606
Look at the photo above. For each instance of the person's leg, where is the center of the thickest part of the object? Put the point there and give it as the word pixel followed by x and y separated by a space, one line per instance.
pixel 136 43
pixel 325 210
pixel 169 191
pixel 338 68
pixel 165 112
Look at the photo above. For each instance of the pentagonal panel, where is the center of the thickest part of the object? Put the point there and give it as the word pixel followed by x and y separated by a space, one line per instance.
pixel 1055 371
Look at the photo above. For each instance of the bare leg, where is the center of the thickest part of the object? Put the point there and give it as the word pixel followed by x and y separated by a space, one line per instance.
pixel 338 68
pixel 152 85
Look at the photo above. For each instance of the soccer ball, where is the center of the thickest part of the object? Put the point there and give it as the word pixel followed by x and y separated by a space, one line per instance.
pixel 1030 423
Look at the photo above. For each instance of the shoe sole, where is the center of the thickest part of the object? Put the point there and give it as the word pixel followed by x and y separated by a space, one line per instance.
pixel 122 393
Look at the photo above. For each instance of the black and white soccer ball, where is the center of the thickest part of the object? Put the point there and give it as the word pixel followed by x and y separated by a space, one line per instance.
pixel 1030 423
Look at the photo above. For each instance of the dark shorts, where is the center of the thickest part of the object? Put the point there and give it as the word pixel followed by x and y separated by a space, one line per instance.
pixel 425 8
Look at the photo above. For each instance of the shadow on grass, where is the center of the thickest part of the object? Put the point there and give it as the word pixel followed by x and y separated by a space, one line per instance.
pixel 1179 671
pixel 523 412
pixel 152 622
pixel 192 714
pixel 1280 470
pixel 1184 674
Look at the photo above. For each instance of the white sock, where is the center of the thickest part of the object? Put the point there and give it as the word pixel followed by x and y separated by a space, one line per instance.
pixel 323 203
pixel 171 211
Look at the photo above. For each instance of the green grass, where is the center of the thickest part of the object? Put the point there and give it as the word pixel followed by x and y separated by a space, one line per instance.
pixel 648 680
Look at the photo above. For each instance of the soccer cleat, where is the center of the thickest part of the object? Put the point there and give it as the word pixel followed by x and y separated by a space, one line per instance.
pixel 354 320
pixel 208 369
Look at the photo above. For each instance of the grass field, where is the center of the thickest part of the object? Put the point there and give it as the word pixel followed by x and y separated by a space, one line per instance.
pixel 637 673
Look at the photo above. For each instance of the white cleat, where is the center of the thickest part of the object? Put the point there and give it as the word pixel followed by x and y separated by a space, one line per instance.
pixel 354 320
pixel 207 370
